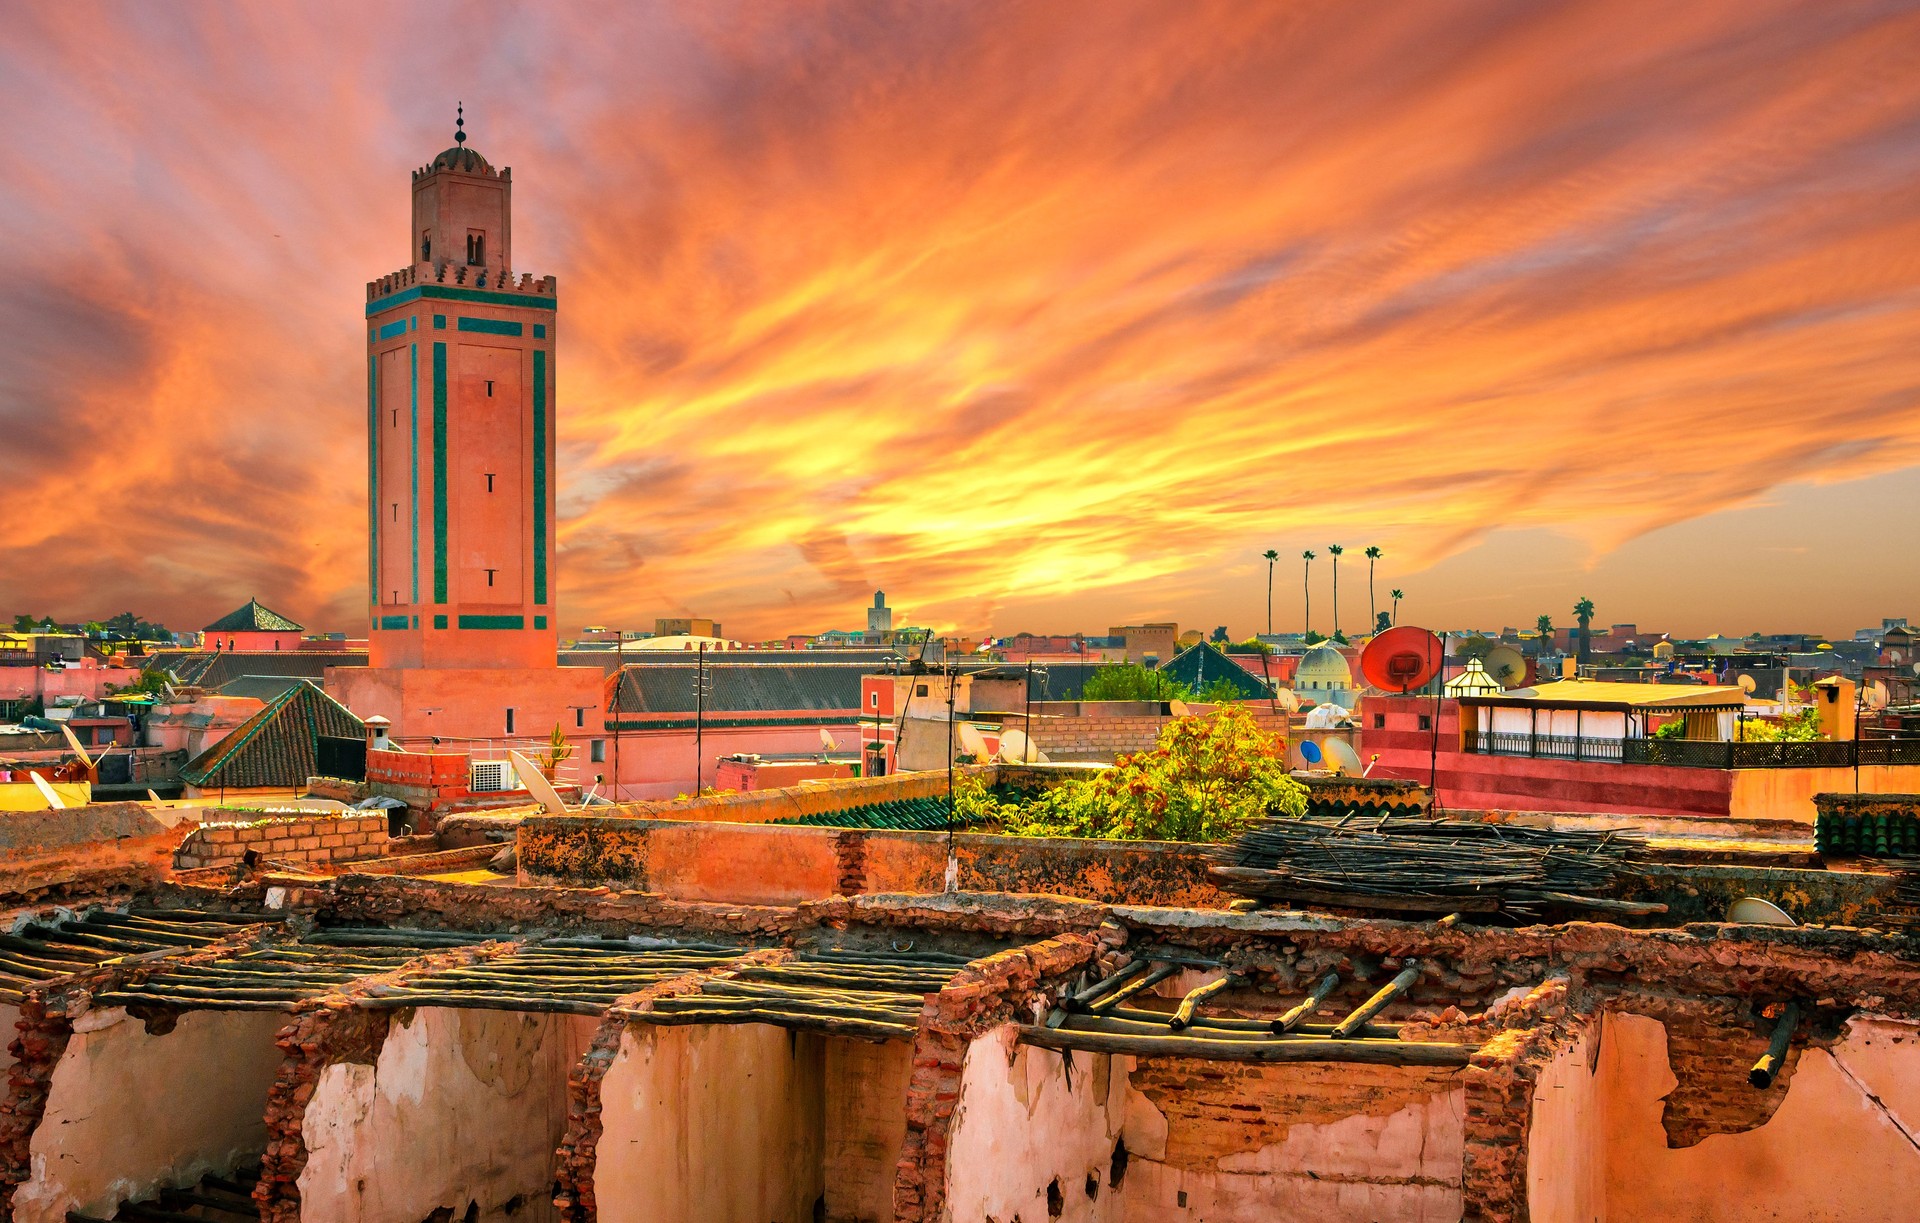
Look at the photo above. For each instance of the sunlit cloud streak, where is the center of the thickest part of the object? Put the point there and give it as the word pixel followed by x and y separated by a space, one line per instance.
pixel 984 304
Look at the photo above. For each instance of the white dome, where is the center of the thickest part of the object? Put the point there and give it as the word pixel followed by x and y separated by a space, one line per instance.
pixel 1323 668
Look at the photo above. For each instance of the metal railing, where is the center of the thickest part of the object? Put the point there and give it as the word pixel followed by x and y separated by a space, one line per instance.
pixel 1697 753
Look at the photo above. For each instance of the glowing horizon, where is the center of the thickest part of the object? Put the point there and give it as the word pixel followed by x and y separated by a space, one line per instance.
pixel 1037 317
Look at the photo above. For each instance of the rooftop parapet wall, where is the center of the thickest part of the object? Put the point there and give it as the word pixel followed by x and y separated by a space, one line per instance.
pixel 459 275
pixel 317 839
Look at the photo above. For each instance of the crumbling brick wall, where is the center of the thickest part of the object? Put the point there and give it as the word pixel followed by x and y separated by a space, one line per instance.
pixel 579 1150
pixel 324 1032
pixel 980 997
pixel 38 1044
pixel 318 839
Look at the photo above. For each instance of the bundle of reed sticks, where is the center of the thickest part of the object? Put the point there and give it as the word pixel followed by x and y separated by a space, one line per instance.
pixel 1413 865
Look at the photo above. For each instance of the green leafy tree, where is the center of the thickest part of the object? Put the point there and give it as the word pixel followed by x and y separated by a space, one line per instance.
pixel 24 623
pixel 1129 681
pixel 1382 622
pixel 1207 779
pixel 1544 626
pixel 1583 612
pixel 1218 692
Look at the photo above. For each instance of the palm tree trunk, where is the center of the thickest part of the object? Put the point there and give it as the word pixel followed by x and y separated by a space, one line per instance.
pixel 1373 611
pixel 1269 598
pixel 1306 590
pixel 1336 596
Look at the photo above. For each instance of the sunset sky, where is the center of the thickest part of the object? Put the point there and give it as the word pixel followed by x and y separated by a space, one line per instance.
pixel 1042 316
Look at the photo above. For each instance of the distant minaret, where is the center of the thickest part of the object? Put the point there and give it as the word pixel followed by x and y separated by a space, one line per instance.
pixel 879 616
pixel 460 421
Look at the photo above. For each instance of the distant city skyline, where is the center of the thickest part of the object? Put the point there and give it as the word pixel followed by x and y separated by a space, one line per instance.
pixel 1039 318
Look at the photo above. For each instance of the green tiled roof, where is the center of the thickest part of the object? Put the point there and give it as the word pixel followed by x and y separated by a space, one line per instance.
pixel 278 746
pixel 900 815
pixel 253 618
pixel 1202 664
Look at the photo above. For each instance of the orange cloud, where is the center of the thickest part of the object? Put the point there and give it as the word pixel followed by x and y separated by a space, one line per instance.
pixel 1009 309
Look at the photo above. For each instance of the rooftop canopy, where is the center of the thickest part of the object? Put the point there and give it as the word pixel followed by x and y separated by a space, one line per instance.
pixel 1598 694
pixel 252 618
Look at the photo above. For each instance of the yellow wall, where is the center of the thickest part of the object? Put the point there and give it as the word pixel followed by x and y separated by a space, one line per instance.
pixel 25 796
pixel 1787 794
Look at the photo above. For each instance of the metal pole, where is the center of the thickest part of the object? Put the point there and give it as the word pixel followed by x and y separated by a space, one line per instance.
pixel 1026 727
pixel 619 678
pixel 699 716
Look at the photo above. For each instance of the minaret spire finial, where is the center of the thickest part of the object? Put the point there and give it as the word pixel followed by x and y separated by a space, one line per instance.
pixel 460 123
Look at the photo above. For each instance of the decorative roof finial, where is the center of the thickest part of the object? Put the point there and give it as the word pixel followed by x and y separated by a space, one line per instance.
pixel 460 124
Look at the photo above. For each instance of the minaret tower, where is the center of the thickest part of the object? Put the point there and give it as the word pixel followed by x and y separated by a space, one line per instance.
pixel 460 473
pixel 460 433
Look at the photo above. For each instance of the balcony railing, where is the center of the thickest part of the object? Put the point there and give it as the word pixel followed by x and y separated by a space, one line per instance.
pixel 1697 753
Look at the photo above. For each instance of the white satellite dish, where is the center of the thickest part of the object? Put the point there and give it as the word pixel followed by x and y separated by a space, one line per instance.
pixel 1746 684
pixel 826 741
pixel 972 743
pixel 1507 665
pixel 47 792
pixel 1876 695
pixel 1287 699
pixel 1017 748
pixel 1342 757
pixel 73 741
pixel 1753 911
pixel 536 784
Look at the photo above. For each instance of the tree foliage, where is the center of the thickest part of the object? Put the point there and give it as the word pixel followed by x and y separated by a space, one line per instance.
pixel 1207 779
pixel 1129 681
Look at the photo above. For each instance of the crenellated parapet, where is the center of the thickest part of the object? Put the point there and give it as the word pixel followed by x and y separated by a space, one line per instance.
pixel 460 275
pixel 464 161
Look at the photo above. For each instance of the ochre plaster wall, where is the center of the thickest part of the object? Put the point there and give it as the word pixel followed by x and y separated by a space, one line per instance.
pixel 1787 794
pixel 1225 1143
pixel 1833 1149
pixel 1566 1165
pixel 464 1108
pixel 712 1124
pixel 866 1123
pixel 129 1113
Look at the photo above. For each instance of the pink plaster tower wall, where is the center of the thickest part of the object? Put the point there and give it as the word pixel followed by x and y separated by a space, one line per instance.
pixel 460 512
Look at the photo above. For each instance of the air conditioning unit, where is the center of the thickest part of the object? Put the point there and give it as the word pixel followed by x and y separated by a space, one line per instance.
pixel 493 775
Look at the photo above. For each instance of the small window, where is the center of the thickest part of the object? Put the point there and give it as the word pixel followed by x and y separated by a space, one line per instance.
pixel 1426 721
pixel 920 690
pixel 489 481
pixel 489 388
pixel 579 717
pixel 1379 721
pixel 426 246
pixel 476 246
pixel 873 699
pixel 509 721
pixel 490 574
pixel 597 751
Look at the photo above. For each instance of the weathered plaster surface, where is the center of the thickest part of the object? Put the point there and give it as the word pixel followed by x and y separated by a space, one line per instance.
pixel 1841 1145
pixel 1230 1143
pixel 866 1123
pixel 463 1109
pixel 129 1112
pixel 711 1124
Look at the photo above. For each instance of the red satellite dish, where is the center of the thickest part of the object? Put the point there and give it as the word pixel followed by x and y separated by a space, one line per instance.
pixel 1401 659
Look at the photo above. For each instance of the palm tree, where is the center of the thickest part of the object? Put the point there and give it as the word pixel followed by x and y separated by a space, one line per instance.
pixel 1545 627
pixel 1583 612
pixel 1334 550
pixel 1271 556
pixel 1373 611
pixel 1307 586
pixel 1396 594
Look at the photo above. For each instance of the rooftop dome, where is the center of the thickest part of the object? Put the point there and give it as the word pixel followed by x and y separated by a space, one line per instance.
pixel 1323 667
pixel 460 157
